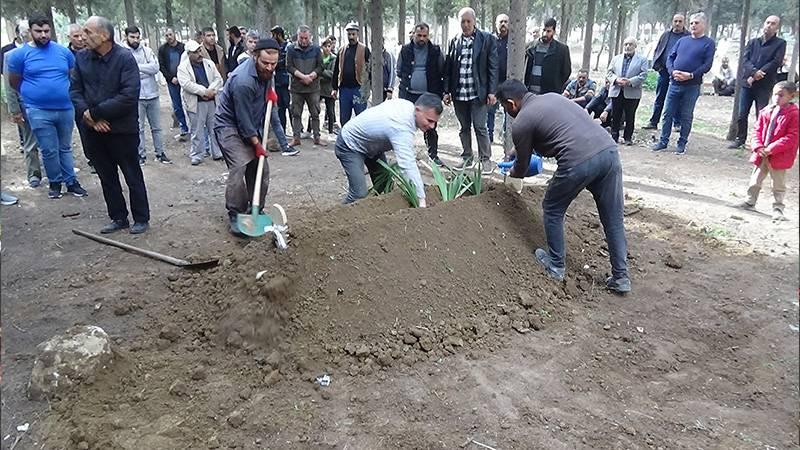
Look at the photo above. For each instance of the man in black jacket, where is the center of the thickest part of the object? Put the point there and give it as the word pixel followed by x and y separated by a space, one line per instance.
pixel 235 48
pixel 470 81
pixel 547 63
pixel 105 92
pixel 758 73
pixel 664 47
pixel 169 56
pixel 420 68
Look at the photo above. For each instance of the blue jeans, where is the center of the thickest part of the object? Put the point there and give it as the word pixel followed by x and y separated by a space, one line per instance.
pixel 177 106
pixel 748 96
pixel 53 131
pixel 149 109
pixel 661 94
pixel 284 101
pixel 681 99
pixel 276 127
pixel 350 100
pixel 602 176
pixel 353 163
pixel 490 120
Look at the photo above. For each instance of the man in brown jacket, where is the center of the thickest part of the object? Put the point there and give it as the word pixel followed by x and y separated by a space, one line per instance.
pixel 351 75
pixel 213 52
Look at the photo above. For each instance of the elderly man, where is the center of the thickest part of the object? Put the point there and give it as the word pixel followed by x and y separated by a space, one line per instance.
pixel 626 74
pixel 587 158
pixel 420 69
pixel 547 62
pixel 200 82
pixel 149 107
pixel 581 89
pixel 470 82
pixel 351 75
pixel 759 70
pixel 76 38
pixel 169 56
pixel 664 47
pixel 40 73
pixel 105 92
pixel 388 126
pixel 725 81
pixel 690 59
pixel 239 124
pixel 304 64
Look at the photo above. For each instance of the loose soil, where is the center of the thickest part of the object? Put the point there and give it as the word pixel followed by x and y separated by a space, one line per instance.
pixel 436 326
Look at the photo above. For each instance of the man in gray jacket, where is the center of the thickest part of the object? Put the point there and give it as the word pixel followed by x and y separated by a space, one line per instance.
pixel 626 73
pixel 304 64
pixel 148 94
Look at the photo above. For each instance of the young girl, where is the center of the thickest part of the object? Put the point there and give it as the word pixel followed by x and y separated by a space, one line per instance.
pixel 774 147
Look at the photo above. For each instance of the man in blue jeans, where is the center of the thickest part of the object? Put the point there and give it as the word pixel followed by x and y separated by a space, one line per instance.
pixel 587 158
pixel 40 73
pixel 664 47
pixel 169 56
pixel 351 75
pixel 689 61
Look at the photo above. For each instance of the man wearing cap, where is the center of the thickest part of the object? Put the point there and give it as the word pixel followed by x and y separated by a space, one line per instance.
pixel 200 82
pixel 351 75
pixel 281 76
pixel 239 123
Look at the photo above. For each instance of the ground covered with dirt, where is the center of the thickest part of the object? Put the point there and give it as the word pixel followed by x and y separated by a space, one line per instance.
pixel 435 327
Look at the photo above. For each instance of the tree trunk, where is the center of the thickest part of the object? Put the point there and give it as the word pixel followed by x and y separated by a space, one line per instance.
pixel 743 34
pixel 315 18
pixel 220 22
pixel 360 14
pixel 376 56
pixel 71 12
pixel 418 12
pixel 602 47
pixel 564 31
pixel 89 8
pixel 401 22
pixel 587 34
pixel 793 63
pixel 709 12
pixel 49 12
pixel 619 30
pixel 168 13
pixel 516 38
pixel 130 17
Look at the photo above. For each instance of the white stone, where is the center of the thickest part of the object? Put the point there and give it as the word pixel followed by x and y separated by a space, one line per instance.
pixel 66 360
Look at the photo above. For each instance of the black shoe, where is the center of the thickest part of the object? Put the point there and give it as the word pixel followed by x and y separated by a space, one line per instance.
pixel 77 190
pixel 736 144
pixel 55 191
pixel 162 158
pixel 650 126
pixel 142 161
pixel 620 285
pixel 115 225
pixel 628 142
pixel 139 227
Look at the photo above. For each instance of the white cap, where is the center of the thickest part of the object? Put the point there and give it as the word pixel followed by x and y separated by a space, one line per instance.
pixel 192 46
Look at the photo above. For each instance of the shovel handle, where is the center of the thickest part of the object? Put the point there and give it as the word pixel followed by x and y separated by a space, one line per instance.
pixel 130 248
pixel 260 172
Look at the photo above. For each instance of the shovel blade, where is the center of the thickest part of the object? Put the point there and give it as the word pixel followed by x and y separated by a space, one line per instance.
pixel 253 224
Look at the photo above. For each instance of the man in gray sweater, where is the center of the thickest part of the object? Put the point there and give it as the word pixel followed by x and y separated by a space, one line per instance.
pixel 587 158
pixel 304 64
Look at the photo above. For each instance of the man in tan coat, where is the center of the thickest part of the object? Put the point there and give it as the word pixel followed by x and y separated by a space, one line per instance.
pixel 200 82
pixel 213 52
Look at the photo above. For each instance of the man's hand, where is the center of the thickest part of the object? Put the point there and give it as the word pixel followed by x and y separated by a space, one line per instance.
pixel 101 126
pixel 446 99
pixel 174 80
pixel 260 150
pixel 87 117
pixel 422 203
pixel 681 75
pixel 491 99
pixel 211 93
pixel 514 184
pixel 603 116
pixel 759 75
pixel 17 118
pixel 750 81
pixel 333 95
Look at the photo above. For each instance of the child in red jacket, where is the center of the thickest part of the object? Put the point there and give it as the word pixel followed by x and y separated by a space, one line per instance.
pixel 774 147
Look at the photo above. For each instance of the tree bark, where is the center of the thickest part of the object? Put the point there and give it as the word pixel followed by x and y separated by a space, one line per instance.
pixel 587 34
pixel 709 12
pixel 168 13
pixel 564 31
pixel 360 16
pixel 130 17
pixel 793 62
pixel 418 13
pixel 733 128
pixel 376 56
pixel 49 13
pixel 401 22
pixel 517 12
pixel 71 11
pixel 602 47
pixel 220 22
pixel 315 18
pixel 89 9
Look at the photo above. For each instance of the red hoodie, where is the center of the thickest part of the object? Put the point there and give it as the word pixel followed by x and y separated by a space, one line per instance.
pixel 783 148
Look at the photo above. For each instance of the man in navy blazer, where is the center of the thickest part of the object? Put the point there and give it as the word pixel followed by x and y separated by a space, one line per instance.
pixel 470 82
pixel 664 47
pixel 626 73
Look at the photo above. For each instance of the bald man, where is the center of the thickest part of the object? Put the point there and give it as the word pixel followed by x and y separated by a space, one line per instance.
pixel 759 71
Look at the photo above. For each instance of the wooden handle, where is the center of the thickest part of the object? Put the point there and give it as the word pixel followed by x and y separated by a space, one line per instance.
pixel 260 171
pixel 130 248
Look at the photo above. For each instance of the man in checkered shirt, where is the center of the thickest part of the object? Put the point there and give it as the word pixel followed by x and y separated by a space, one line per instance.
pixel 470 82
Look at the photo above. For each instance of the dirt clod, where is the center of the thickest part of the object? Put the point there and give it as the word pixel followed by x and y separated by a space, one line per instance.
pixel 236 419
pixel 179 388
pixel 673 262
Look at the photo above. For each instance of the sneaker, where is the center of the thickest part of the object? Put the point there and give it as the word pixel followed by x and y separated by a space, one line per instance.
pixel 8 199
pixel 543 257
pixel 34 182
pixel 55 191
pixel 747 206
pixel 736 144
pixel 142 161
pixel 196 162
pixel 217 158
pixel 163 159
pixel 658 146
pixel 620 285
pixel 115 225
pixel 305 135
pixel 139 227
pixel 487 167
pixel 467 163
pixel 680 150
pixel 650 126
pixel 290 151
pixel 437 161
pixel 296 142
pixel 777 215
pixel 77 190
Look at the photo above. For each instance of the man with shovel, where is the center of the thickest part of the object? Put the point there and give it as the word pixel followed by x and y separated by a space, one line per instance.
pixel 238 125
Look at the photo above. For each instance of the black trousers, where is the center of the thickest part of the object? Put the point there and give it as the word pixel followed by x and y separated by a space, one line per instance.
pixel 619 106
pixel 111 154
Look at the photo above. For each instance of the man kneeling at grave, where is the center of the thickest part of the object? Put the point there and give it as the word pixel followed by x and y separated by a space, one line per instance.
pixel 587 158
pixel 366 138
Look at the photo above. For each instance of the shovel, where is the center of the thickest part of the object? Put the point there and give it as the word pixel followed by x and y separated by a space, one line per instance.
pixel 150 254
pixel 255 224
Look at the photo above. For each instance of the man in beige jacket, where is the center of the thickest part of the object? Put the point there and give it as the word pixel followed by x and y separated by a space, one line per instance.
pixel 213 52
pixel 200 81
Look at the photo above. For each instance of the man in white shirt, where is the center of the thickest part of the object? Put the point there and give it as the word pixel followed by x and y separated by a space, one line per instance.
pixel 389 126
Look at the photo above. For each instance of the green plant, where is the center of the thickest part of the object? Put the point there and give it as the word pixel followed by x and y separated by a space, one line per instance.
pixel 452 188
pixel 405 185
pixel 651 81
pixel 384 181
pixel 474 177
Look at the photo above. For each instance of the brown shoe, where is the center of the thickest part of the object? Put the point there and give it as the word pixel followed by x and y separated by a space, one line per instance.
pixel 318 141
pixel 296 142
